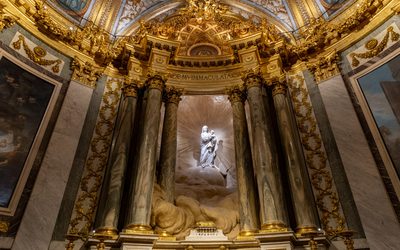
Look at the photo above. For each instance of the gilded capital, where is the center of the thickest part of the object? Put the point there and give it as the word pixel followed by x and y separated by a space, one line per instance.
pixel 236 93
pixel 325 66
pixel 278 84
pixel 131 87
pixel 172 94
pixel 156 79
pixel 85 72
pixel 252 77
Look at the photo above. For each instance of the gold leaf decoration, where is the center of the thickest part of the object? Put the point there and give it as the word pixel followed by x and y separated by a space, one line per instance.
pixel 316 158
pixel 87 200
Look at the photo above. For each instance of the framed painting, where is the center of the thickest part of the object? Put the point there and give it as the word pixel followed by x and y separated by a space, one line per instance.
pixel 378 90
pixel 27 98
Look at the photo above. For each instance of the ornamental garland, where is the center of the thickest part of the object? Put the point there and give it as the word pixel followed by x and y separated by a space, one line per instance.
pixel 36 54
pixel 96 162
pixel 319 173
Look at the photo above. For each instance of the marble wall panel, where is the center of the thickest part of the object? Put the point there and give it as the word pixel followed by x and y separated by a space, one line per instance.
pixel 368 190
pixel 41 213
pixel 16 219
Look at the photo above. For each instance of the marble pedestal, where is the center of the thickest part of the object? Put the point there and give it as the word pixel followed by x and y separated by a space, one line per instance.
pixel 289 241
pixel 137 241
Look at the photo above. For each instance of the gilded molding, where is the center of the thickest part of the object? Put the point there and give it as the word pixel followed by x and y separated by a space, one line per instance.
pixel 172 94
pixel 85 72
pixel 316 159
pixel 6 20
pixel 131 87
pixel 252 77
pixel 4 226
pixel 88 196
pixel 236 93
pixel 37 54
pixel 396 8
pixel 373 47
pixel 278 84
pixel 325 66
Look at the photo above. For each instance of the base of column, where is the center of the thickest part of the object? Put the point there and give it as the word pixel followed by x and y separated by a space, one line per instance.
pixel 138 229
pixel 305 229
pixel 165 236
pixel 247 235
pixel 108 231
pixel 273 227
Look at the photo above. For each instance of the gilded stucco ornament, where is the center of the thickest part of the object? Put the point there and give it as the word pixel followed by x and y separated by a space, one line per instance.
pixel 131 87
pixel 325 66
pixel 4 225
pixel 277 84
pixel 37 54
pixel 6 20
pixel 172 94
pixel 252 77
pixel 374 48
pixel 236 93
pixel 86 72
pixel 156 79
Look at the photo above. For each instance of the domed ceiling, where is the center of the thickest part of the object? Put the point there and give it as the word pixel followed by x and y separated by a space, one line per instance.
pixel 122 18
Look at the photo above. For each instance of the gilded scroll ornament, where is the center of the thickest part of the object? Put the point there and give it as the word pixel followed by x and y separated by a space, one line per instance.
pixel 374 48
pixel 85 72
pixel 6 20
pixel 172 94
pixel 131 87
pixel 88 197
pixel 4 225
pixel 316 159
pixel 37 54
pixel 236 93
pixel 325 66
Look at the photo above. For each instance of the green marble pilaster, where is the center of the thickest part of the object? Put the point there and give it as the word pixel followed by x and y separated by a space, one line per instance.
pixel 249 221
pixel 269 182
pixel 119 158
pixel 166 175
pixel 300 193
pixel 141 198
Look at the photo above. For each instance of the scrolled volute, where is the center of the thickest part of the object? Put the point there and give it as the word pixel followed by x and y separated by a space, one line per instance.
pixel 236 93
pixel 172 94
pixel 325 66
pixel 252 77
pixel 278 84
pixel 156 79
pixel 131 87
pixel 85 72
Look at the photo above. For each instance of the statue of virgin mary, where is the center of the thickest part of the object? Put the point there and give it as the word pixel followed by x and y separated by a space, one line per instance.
pixel 208 148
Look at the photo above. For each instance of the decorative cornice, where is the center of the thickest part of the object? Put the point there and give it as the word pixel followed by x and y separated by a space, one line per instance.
pixel 278 84
pixel 85 72
pixel 6 20
pixel 236 93
pixel 4 225
pixel 252 77
pixel 156 79
pixel 172 94
pixel 131 87
pixel 325 66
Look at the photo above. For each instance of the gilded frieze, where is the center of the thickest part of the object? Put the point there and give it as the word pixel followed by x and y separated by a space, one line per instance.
pixel 88 196
pixel 38 54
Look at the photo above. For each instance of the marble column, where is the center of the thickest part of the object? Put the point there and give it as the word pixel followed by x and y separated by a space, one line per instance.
pixel 120 157
pixel 269 182
pixel 166 175
pixel 249 221
pixel 296 168
pixel 139 219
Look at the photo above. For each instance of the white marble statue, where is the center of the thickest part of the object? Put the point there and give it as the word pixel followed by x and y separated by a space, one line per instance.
pixel 209 148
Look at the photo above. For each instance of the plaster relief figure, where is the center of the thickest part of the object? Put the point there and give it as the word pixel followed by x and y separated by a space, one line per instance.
pixel 208 148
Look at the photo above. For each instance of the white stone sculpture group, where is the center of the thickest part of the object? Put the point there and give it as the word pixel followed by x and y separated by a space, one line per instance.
pixel 208 148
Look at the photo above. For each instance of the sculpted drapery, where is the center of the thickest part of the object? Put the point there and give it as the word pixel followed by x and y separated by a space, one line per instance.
pixel 208 148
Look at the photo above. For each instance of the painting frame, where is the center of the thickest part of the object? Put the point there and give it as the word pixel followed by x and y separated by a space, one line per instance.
pixel 30 158
pixel 381 145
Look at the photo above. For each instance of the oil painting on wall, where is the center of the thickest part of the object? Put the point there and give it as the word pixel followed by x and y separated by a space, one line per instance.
pixel 381 89
pixel 23 101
